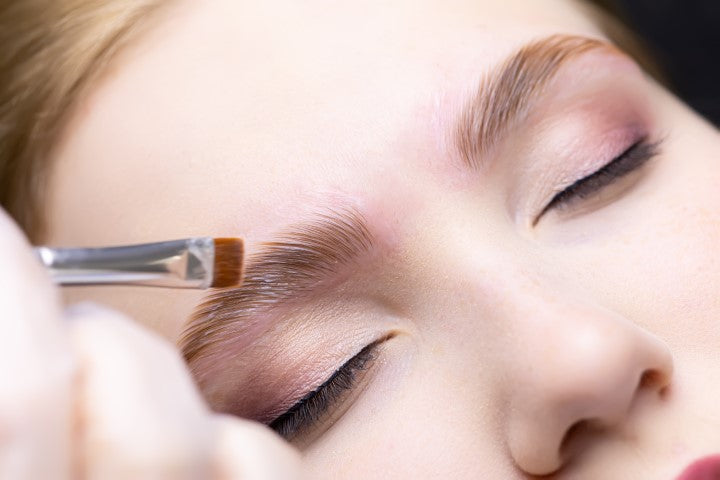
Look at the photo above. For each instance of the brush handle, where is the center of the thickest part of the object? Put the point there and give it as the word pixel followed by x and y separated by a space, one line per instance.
pixel 186 263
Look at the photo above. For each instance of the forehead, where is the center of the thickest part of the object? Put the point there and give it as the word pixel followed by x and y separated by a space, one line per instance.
pixel 276 102
pixel 235 118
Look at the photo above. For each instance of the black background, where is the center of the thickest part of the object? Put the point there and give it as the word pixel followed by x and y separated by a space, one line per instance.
pixel 684 37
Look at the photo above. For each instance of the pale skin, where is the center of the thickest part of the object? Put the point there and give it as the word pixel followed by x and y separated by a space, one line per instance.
pixel 580 342
pixel 87 393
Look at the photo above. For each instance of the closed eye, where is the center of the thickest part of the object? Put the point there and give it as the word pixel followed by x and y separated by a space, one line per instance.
pixel 627 162
pixel 314 406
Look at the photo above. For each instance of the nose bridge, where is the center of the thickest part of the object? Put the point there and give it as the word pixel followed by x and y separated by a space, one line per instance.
pixel 572 362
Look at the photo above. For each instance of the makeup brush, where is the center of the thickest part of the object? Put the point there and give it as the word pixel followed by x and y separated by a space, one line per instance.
pixel 200 263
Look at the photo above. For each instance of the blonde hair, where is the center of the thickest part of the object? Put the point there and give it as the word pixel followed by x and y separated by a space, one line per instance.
pixel 52 50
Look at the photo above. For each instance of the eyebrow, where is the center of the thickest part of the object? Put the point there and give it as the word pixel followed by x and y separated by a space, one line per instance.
pixel 504 96
pixel 303 258
pixel 285 270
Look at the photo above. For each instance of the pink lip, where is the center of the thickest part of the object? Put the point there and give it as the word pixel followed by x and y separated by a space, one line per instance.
pixel 707 468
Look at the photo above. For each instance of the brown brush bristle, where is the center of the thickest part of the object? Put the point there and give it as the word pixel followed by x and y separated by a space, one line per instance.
pixel 228 268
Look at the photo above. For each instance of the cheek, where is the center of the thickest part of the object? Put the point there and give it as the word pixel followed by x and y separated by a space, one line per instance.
pixel 427 424
pixel 683 263
pixel 680 249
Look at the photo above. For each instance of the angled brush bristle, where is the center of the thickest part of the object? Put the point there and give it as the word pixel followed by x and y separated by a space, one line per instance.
pixel 228 268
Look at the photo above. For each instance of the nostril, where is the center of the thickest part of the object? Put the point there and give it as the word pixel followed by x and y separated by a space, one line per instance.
pixel 577 438
pixel 574 431
pixel 580 437
pixel 653 379
pixel 577 435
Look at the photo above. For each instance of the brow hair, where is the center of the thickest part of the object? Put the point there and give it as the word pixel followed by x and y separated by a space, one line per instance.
pixel 282 271
pixel 504 95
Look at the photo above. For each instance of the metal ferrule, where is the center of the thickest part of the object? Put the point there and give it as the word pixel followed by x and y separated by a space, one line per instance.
pixel 186 263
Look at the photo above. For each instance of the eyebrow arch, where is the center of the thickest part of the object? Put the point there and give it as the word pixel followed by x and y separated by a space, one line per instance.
pixel 301 259
pixel 504 95
pixel 282 271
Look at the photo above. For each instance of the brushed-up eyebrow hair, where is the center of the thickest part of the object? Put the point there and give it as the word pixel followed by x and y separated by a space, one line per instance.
pixel 505 94
pixel 284 270
pixel 297 263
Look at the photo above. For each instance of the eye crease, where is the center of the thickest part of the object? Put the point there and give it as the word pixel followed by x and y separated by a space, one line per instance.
pixel 314 406
pixel 637 155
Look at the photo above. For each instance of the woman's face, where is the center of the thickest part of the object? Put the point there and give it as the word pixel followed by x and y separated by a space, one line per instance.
pixel 483 268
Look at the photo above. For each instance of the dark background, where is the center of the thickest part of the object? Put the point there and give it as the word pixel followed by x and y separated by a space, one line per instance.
pixel 684 37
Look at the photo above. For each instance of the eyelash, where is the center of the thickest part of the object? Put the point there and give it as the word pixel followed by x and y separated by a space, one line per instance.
pixel 627 162
pixel 312 407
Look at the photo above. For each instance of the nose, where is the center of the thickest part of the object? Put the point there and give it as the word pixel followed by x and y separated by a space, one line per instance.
pixel 576 365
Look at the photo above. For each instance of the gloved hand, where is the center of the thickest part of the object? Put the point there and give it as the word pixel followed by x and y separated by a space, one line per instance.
pixel 89 394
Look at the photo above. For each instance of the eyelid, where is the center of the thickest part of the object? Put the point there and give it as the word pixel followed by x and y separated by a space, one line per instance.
pixel 298 262
pixel 316 405
pixel 629 161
